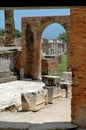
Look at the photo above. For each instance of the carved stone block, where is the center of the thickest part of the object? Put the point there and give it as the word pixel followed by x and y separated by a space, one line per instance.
pixel 34 100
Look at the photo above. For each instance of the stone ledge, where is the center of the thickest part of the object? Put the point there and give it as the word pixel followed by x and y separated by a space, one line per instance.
pixel 54 126
pixel 8 79
pixel 14 126
pixel 44 126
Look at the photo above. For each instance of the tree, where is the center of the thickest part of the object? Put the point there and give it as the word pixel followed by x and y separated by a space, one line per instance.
pixel 63 37
pixel 2 31
pixel 17 33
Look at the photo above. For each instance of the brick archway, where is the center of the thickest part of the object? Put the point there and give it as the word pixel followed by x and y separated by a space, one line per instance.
pixel 75 28
pixel 32 28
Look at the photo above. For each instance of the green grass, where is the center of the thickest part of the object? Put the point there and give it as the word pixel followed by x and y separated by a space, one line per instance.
pixel 62 66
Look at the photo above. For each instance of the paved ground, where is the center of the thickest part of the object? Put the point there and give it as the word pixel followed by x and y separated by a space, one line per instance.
pixel 58 112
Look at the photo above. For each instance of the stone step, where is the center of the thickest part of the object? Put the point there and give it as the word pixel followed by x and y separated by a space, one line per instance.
pixel 44 126
pixel 14 126
pixel 8 79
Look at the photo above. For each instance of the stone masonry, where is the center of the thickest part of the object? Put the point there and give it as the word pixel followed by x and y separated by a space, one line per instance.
pixel 49 66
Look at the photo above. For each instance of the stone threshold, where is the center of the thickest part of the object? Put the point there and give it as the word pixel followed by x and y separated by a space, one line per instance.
pixel 44 126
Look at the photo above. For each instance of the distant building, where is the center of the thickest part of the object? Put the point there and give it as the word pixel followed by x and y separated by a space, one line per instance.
pixel 45 46
pixel 53 47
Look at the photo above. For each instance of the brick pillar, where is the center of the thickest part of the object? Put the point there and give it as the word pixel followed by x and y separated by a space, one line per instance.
pixel 9 28
pixel 37 59
pixel 31 51
pixel 34 59
pixel 78 60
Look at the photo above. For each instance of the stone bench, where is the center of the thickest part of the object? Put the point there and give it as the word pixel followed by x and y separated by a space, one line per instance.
pixel 34 100
pixel 53 87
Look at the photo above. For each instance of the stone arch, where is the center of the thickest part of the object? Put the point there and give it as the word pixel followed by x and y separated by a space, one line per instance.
pixel 34 26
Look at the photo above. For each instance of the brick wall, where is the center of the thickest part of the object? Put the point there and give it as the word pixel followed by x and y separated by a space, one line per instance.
pixel 49 66
pixel 78 64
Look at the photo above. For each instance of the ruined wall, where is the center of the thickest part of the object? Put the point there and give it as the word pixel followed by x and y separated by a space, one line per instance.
pixel 49 66
pixel 78 60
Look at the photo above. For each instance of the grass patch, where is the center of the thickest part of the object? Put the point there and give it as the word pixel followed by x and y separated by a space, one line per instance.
pixel 62 66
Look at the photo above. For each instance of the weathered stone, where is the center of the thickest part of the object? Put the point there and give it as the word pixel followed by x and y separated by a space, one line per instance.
pixel 10 93
pixel 49 66
pixel 14 126
pixel 66 86
pixel 51 80
pixel 9 27
pixel 66 76
pixel 34 100
pixel 53 93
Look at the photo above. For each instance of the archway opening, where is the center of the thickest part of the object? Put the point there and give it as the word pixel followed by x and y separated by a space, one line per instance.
pixel 54 60
pixel 54 46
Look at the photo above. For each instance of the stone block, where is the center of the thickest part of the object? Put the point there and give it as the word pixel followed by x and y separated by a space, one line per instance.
pixel 66 76
pixel 51 80
pixel 66 86
pixel 34 100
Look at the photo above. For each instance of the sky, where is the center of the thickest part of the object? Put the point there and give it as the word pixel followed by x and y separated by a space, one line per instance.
pixel 52 31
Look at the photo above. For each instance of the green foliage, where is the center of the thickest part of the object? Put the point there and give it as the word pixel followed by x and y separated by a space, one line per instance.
pixel 62 66
pixel 2 31
pixel 63 37
pixel 17 33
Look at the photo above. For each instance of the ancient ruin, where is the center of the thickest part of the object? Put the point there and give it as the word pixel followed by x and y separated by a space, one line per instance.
pixel 30 56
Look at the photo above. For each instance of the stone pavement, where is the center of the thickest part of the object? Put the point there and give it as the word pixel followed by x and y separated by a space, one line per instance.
pixel 50 117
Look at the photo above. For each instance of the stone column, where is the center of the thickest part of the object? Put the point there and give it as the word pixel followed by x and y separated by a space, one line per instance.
pixel 9 27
